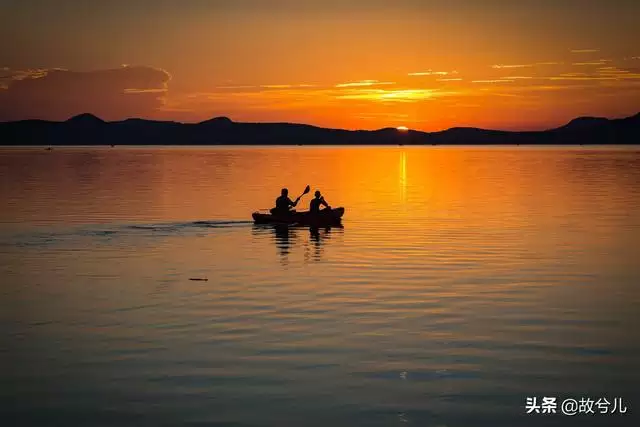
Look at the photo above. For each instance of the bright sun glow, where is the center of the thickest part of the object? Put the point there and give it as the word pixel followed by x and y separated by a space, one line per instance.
pixel 402 128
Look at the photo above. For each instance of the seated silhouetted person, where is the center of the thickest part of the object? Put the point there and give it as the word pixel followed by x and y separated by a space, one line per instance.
pixel 284 203
pixel 314 205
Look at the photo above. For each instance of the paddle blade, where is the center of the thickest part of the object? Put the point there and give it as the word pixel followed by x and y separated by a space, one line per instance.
pixel 307 189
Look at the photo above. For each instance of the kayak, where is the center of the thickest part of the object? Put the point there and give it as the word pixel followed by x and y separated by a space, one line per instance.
pixel 324 217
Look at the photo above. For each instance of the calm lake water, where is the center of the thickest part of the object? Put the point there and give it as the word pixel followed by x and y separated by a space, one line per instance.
pixel 464 280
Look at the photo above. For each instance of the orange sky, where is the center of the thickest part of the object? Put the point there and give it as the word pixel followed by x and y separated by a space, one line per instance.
pixel 427 65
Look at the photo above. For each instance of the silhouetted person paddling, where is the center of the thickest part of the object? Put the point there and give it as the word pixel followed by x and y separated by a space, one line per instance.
pixel 284 203
pixel 314 205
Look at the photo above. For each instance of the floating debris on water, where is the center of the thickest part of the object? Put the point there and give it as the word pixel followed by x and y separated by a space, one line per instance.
pixel 199 279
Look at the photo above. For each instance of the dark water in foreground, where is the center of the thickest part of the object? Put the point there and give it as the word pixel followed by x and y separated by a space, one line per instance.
pixel 464 280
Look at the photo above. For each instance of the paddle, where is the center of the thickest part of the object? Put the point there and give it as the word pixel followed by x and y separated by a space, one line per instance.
pixel 306 190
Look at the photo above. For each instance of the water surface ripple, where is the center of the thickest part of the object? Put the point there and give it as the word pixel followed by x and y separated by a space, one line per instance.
pixel 462 281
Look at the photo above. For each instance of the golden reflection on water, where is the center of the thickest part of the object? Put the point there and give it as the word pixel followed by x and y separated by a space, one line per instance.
pixel 403 176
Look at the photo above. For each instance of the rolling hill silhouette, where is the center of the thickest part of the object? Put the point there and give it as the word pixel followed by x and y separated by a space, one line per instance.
pixel 87 129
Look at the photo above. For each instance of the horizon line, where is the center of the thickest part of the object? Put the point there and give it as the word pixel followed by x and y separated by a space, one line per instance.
pixel 408 129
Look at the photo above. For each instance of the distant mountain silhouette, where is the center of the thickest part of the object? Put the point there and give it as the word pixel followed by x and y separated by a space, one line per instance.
pixel 87 129
pixel 584 123
pixel 85 119
pixel 218 121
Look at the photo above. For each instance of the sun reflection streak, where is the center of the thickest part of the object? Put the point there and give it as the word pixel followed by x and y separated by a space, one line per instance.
pixel 403 176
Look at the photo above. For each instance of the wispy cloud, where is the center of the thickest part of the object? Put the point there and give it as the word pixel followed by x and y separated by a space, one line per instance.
pixel 493 81
pixel 621 74
pixel 599 62
pixel 516 78
pixel 296 98
pixel 545 88
pixel 585 50
pixel 364 83
pixel 162 90
pixel 608 73
pixel 31 73
pixel 580 78
pixel 500 66
pixel 453 79
pixel 573 74
pixel 432 73
pixel 535 64
pixel 613 71
pixel 401 95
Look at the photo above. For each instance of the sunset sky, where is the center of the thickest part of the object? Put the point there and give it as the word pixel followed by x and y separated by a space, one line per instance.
pixel 428 65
